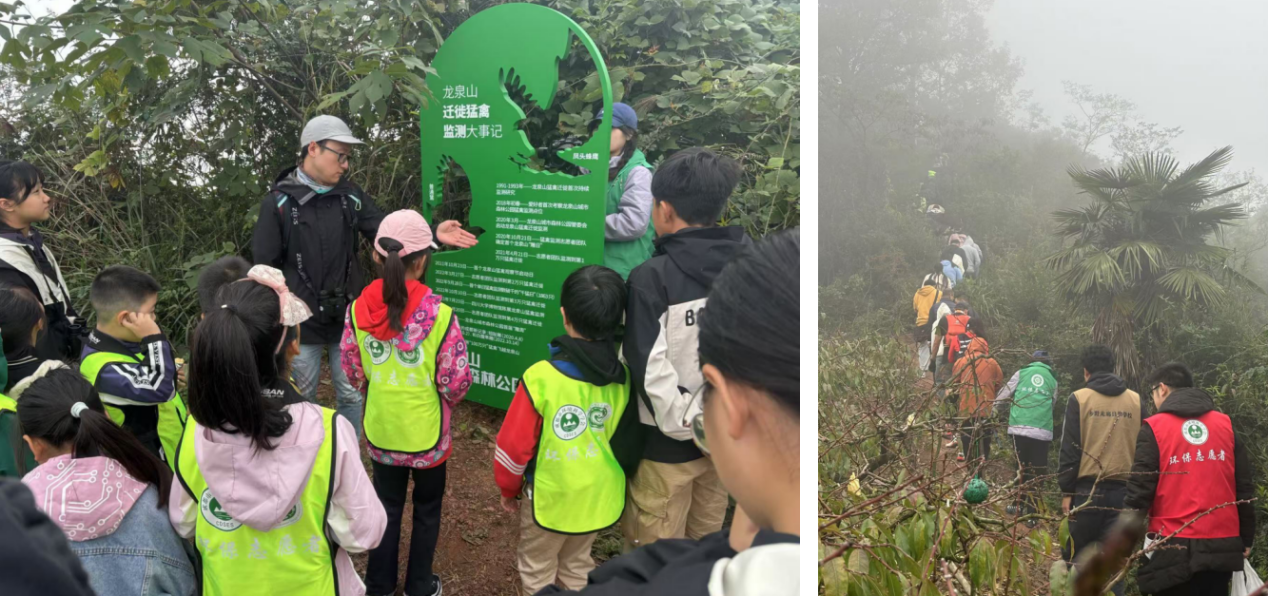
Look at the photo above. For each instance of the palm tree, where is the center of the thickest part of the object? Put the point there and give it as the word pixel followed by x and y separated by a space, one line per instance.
pixel 1141 246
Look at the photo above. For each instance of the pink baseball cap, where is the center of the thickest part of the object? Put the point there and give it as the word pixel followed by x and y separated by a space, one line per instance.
pixel 406 227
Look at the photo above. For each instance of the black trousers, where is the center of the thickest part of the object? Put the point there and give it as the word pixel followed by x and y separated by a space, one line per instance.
pixel 1032 460
pixel 1090 525
pixel 1203 583
pixel 975 438
pixel 391 483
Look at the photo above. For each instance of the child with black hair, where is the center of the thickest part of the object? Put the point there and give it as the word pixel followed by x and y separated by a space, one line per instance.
pixel 745 416
pixel 103 488
pixel 676 491
pixel 403 348
pixel 218 274
pixel 271 487
pixel 555 443
pixel 130 362
pixel 21 321
pixel 627 227
pixel 26 262
pixel 15 457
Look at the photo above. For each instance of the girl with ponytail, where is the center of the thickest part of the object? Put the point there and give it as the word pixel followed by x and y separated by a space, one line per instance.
pixel 403 349
pixel 103 487
pixel 270 487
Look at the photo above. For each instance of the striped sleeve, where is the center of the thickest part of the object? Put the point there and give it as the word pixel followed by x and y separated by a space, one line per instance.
pixel 149 381
pixel 517 443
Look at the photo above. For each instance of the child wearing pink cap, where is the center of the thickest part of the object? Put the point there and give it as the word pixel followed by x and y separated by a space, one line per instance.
pixel 403 349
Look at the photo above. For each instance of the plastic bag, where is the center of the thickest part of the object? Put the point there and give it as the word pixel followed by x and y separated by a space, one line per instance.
pixel 1245 581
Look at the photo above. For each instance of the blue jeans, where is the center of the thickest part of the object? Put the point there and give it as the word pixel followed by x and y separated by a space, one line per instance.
pixel 307 370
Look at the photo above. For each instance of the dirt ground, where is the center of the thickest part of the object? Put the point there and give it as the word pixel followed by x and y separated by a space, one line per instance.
pixel 476 551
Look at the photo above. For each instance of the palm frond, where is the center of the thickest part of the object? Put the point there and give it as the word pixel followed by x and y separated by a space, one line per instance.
pixel 1189 283
pixel 1101 178
pixel 1097 274
pixel 1137 256
pixel 1210 165
pixel 1151 167
pixel 1077 222
pixel 1064 258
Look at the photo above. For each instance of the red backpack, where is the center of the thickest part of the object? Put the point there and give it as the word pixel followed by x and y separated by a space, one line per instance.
pixel 958 335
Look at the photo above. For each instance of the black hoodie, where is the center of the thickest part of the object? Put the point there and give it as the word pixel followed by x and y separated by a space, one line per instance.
pixel 1068 479
pixel 35 557
pixel 323 229
pixel 1172 566
pixel 666 295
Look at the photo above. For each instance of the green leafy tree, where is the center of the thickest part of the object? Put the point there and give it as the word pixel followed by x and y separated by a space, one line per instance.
pixel 1141 246
pixel 161 123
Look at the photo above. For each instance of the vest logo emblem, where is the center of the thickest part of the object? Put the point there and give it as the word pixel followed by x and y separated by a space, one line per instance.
pixel 570 421
pixel 217 517
pixel 412 358
pixel 292 516
pixel 379 351
pixel 598 415
pixel 1037 380
pixel 1194 432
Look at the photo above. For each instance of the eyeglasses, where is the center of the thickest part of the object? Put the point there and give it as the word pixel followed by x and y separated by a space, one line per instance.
pixel 343 157
pixel 696 422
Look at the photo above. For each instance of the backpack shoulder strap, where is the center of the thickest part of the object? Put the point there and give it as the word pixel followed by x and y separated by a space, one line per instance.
pixel 285 216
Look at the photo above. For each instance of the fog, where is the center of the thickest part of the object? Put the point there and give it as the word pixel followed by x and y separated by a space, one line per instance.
pixel 1199 65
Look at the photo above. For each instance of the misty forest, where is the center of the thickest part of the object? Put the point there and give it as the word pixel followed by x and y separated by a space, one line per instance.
pixel 1091 230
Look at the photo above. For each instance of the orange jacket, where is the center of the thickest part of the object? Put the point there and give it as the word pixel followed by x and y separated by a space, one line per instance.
pixel 979 378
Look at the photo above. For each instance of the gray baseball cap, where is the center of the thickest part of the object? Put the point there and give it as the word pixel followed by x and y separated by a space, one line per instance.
pixel 327 128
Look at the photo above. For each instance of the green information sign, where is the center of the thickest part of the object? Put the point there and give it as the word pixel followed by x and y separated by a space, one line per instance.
pixel 538 226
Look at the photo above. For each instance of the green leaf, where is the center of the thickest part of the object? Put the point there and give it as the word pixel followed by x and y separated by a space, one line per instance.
pixel 131 47
pixel 775 163
pixel 982 566
pixel 833 573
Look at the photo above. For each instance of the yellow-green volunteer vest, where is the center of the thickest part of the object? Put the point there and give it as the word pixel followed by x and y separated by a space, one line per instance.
pixel 294 558
pixel 578 486
pixel 402 406
pixel 7 404
pixel 171 414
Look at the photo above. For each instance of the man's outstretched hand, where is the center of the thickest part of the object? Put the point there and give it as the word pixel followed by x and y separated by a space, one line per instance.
pixel 451 233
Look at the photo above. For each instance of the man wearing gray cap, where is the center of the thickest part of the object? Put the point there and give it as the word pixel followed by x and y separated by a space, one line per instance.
pixel 308 228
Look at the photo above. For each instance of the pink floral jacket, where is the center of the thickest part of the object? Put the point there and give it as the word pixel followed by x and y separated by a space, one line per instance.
pixel 453 376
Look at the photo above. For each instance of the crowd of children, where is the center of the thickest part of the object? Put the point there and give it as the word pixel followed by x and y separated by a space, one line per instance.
pixel 649 410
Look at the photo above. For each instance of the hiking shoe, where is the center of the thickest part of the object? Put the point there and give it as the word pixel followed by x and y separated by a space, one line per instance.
pixel 959 457
pixel 435 581
pixel 1011 510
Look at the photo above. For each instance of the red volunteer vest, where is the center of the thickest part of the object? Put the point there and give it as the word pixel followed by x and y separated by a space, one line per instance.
pixel 1195 456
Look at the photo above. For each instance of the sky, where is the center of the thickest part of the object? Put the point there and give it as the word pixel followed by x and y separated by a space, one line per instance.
pixel 1198 64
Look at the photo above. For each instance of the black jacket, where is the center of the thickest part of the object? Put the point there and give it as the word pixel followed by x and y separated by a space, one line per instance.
pixel 322 231
pixel 1176 563
pixel 679 567
pixel 64 332
pixel 666 294
pixel 1068 479
pixel 23 363
pixel 35 557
